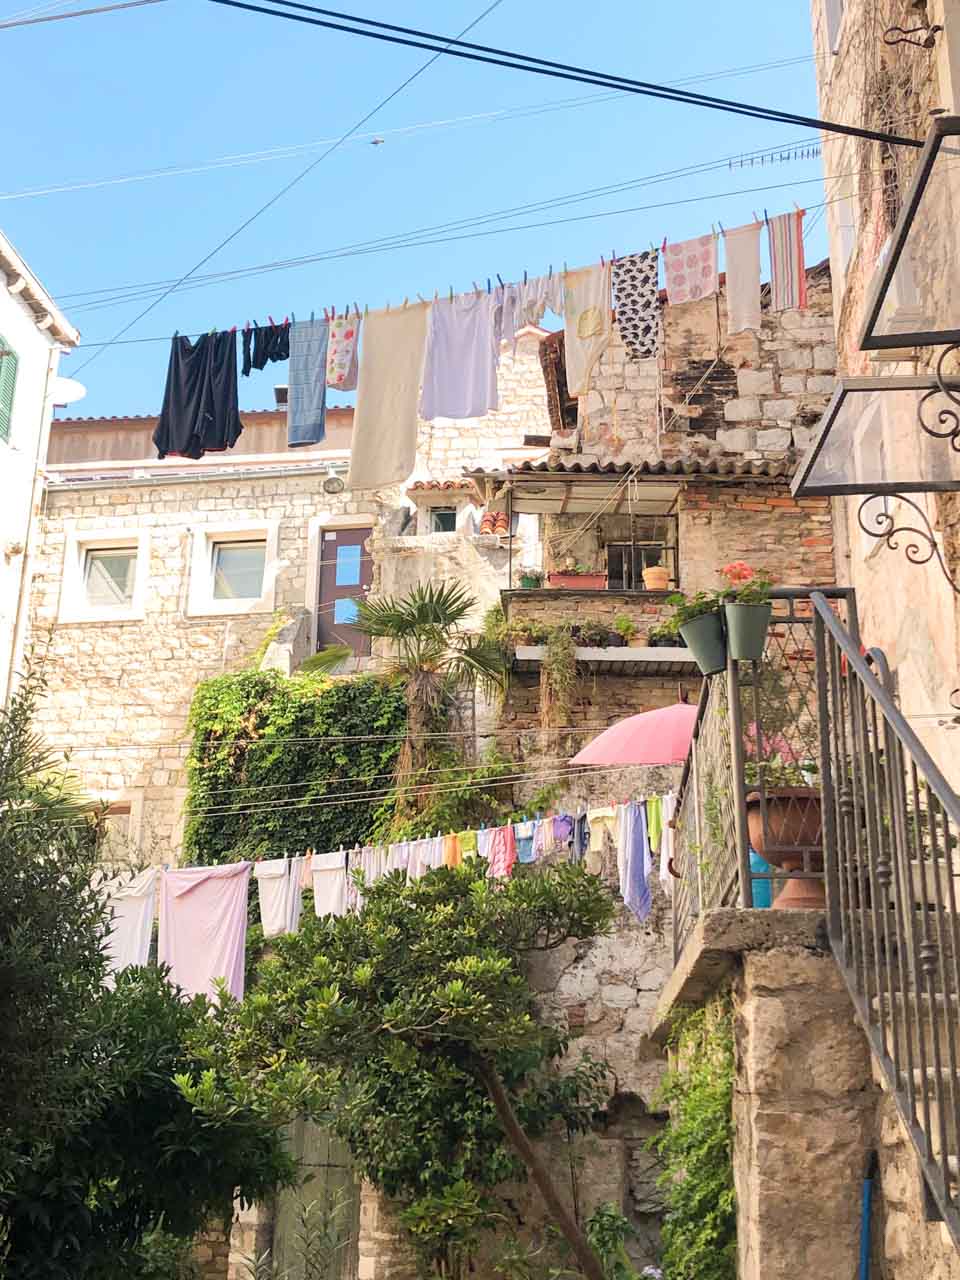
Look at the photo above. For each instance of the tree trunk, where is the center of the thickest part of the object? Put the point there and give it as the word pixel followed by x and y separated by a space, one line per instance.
pixel 589 1262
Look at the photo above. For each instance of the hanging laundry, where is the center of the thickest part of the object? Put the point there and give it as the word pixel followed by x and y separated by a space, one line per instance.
pixel 265 342
pixel 633 859
pixel 419 864
pixel 562 828
pixel 600 822
pixel 200 411
pixel 636 298
pixel 543 293
pixel 742 249
pixel 587 323
pixel 502 853
pixel 484 841
pixel 523 835
pixel 468 843
pixel 384 443
pixel 506 316
pixel 654 822
pixel 132 903
pixel 307 391
pixel 690 268
pixel 281 895
pixel 203 927
pixel 788 276
pixel 542 838
pixel 330 883
pixel 342 352
pixel 668 805
pixel 581 838
pixel 398 857
pixel 452 857
pixel 460 367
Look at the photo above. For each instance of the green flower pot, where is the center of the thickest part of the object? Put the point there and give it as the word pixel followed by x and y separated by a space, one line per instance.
pixel 747 630
pixel 529 582
pixel 704 638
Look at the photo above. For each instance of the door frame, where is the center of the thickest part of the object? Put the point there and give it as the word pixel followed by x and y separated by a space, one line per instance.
pixel 317 526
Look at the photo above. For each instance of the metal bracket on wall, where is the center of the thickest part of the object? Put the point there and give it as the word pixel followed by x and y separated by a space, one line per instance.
pixel 883 525
pixel 901 35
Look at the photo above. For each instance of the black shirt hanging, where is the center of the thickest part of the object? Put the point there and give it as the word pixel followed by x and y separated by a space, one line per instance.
pixel 200 412
pixel 270 342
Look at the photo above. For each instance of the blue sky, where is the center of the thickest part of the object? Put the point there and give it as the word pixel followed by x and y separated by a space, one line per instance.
pixel 179 84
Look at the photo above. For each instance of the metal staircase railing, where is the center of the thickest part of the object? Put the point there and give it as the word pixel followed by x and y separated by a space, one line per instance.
pixel 891 833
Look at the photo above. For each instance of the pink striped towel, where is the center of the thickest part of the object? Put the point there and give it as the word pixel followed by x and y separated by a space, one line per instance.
pixel 788 275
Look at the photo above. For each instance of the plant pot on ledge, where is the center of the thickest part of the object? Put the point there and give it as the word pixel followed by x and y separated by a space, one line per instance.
pixel 794 826
pixel 656 578
pixel 747 629
pixel 578 581
pixel 704 637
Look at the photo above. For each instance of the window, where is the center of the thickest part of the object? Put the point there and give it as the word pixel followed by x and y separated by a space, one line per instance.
pixel 8 383
pixel 233 568
pixel 653 545
pixel 109 576
pixel 443 520
pixel 834 14
pixel 105 575
pixel 238 569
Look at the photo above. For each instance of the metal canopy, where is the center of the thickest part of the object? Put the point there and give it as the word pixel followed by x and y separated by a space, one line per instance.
pixel 573 494
pixel 885 436
pixel 914 300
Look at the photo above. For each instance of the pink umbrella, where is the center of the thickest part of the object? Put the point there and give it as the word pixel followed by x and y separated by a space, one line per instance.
pixel 653 737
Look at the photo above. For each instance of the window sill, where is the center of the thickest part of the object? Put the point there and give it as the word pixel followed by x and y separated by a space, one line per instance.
pixel 88 616
pixel 228 608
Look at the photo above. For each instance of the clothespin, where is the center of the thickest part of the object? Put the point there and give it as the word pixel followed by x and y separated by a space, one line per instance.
pixel 366 308
pixel 564 268
pixel 663 247
pixel 293 318
pixel 270 318
pixel 500 278
pixel 286 321
pixel 613 255
pixel 476 287
pixel 405 301
pixel 756 216
pixel 357 310
pixel 246 327
pixel 422 298
pixel 603 261
pixel 489 290
pixel 524 275
pixel 233 328
pixel 765 218
pixel 550 273
pixel 720 225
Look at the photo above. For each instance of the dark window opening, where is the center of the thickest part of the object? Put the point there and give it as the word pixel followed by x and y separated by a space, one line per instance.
pixel 443 520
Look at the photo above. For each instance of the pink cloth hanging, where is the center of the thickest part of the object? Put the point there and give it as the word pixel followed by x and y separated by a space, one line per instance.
pixel 502 853
pixel 788 275
pixel 690 267
pixel 203 927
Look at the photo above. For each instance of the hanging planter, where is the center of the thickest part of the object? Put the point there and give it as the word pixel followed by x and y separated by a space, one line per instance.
pixel 747 629
pixel 746 609
pixel 703 636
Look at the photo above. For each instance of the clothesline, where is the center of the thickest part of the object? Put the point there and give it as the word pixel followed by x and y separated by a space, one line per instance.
pixel 203 910
pixel 440 359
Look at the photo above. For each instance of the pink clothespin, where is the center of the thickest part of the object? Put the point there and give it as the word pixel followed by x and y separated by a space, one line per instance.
pixel 663 247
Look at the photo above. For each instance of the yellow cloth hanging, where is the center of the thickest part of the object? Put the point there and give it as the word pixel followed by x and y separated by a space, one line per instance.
pixel 468 842
pixel 452 854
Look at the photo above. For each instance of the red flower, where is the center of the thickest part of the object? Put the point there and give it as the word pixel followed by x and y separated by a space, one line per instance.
pixel 737 571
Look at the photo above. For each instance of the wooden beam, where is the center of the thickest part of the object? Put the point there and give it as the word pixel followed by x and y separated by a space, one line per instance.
pixel 567 489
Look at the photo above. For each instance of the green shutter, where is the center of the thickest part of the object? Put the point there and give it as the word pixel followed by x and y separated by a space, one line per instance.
pixel 8 382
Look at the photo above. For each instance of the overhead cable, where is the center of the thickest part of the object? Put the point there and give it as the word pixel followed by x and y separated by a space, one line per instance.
pixel 288 186
pixel 77 13
pixel 458 48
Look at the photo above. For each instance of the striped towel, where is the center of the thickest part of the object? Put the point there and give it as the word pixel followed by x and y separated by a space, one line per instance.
pixel 788 276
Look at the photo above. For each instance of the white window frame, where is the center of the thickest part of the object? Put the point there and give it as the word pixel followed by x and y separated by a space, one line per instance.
pixel 201 602
pixel 74 605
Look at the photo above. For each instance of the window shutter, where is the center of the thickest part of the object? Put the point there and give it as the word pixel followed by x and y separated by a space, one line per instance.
pixel 834 14
pixel 8 382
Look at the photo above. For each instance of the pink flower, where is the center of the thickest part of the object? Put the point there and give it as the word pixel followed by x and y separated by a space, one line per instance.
pixel 737 571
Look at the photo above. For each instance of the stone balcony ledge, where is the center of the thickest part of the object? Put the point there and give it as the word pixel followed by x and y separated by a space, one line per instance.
pixel 634 660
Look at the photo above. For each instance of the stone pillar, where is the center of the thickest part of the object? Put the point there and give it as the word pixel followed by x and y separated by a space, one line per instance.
pixel 250 1237
pixel 383 1252
pixel 211 1253
pixel 804 1106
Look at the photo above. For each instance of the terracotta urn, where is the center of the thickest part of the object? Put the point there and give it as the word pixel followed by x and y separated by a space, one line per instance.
pixel 794 827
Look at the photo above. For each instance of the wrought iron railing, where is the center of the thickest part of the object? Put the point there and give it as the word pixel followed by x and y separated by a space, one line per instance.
pixel 891 825
pixel 750 785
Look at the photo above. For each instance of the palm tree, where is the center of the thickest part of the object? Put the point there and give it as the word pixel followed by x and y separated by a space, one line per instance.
pixel 436 658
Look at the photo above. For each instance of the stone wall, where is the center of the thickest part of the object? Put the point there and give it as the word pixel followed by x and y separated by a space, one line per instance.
pixel 753 394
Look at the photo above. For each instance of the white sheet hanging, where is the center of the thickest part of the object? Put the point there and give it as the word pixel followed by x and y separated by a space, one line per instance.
pixel 281 895
pixel 330 883
pixel 132 903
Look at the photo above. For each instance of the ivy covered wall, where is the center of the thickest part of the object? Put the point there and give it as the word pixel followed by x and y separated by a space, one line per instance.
pixel 281 763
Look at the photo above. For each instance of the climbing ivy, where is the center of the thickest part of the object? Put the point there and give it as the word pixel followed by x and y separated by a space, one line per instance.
pixel 696 1147
pixel 271 752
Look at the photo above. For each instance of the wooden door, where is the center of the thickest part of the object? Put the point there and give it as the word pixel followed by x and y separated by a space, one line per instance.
pixel 346 572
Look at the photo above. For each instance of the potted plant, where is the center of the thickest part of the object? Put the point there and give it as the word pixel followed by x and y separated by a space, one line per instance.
pixel 579 577
pixel 626 629
pixel 699 621
pixel 594 635
pixel 656 577
pixel 746 607
pixel 664 636
pixel 530 579
pixel 527 633
pixel 784 819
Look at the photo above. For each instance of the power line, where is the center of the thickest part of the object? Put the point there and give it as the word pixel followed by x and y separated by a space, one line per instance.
pixel 78 13
pixel 286 187
pixel 127 292
pixel 292 150
pixel 498 231
pixel 457 48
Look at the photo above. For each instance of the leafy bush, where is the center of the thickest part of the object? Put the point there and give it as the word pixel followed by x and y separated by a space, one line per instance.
pixel 268 751
pixel 700 1226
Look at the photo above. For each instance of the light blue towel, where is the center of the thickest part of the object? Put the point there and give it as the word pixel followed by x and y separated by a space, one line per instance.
pixel 636 893
pixel 307 383
pixel 762 889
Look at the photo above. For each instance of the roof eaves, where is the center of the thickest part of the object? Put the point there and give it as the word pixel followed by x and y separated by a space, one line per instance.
pixel 24 284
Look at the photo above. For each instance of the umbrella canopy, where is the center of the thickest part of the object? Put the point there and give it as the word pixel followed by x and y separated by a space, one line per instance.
pixel 653 737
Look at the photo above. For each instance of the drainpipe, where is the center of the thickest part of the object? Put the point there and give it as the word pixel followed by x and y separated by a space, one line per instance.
pixel 865 1215
pixel 35 497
